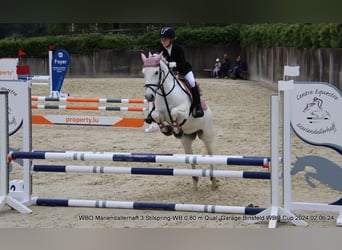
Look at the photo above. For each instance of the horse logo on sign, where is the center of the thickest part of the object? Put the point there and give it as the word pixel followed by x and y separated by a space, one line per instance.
pixel 317 168
pixel 316 111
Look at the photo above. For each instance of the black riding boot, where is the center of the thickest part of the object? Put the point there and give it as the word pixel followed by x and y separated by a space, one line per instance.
pixel 197 110
pixel 149 119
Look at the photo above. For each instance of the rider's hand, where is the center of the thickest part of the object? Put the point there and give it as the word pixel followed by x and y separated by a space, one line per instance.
pixel 172 64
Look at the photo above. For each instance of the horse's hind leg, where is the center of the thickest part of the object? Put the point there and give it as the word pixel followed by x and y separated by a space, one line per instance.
pixel 214 181
pixel 187 145
pixel 209 145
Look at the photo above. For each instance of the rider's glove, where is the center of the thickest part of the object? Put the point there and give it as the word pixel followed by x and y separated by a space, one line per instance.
pixel 172 65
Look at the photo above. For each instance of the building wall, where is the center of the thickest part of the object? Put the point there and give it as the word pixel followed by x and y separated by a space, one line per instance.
pixel 315 64
pixel 264 65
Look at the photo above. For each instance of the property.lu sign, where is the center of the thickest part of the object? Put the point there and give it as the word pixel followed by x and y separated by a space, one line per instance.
pixel 317 114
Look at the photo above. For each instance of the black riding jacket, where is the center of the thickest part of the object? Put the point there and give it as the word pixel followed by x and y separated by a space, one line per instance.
pixel 178 56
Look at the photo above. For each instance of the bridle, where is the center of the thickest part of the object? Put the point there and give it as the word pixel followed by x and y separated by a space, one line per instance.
pixel 160 84
pixel 158 88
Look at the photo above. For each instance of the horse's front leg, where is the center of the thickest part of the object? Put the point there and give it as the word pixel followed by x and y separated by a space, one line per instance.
pixel 163 126
pixel 178 114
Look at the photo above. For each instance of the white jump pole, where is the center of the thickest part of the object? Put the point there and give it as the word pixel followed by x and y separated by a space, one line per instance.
pixel 285 87
pixel 50 71
pixel 275 213
pixel 40 78
pixel 4 175
pixel 272 213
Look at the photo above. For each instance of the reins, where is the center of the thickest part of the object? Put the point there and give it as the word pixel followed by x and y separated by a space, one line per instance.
pixel 160 86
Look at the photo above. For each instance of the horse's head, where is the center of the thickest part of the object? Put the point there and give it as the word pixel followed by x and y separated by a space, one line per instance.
pixel 152 74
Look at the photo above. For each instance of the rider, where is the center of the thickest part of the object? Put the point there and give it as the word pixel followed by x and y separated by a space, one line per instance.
pixel 173 52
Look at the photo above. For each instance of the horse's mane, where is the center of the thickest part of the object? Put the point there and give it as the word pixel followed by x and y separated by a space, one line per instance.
pixel 164 63
pixel 163 59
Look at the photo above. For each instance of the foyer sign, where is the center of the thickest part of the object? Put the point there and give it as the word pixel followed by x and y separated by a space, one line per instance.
pixel 316 115
pixel 60 65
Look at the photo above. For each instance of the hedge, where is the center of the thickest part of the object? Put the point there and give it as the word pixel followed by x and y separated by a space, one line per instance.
pixel 323 35
pixel 292 35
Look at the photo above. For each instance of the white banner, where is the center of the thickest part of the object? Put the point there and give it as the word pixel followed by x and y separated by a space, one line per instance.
pixel 8 68
pixel 16 102
pixel 317 114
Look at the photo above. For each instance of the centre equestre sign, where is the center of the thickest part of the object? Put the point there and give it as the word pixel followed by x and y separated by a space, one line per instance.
pixel 316 114
pixel 16 94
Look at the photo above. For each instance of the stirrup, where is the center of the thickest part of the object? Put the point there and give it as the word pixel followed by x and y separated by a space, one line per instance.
pixel 197 112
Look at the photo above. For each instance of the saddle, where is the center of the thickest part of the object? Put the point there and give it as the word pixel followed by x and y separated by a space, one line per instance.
pixel 187 87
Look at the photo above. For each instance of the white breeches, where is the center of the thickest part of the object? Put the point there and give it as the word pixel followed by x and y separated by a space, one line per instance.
pixel 190 78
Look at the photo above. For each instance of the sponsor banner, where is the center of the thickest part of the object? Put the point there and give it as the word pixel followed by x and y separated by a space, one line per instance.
pixel 60 64
pixel 8 68
pixel 316 114
pixel 82 120
pixel 87 120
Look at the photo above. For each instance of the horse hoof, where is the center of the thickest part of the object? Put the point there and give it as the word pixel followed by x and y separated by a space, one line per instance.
pixel 179 134
pixel 251 205
pixel 195 180
pixel 167 130
pixel 214 184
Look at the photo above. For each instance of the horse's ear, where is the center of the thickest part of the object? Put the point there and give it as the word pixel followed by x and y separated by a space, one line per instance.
pixel 143 57
pixel 162 58
pixel 158 57
pixel 149 54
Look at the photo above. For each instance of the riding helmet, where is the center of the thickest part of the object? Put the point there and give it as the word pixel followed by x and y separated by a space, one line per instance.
pixel 167 32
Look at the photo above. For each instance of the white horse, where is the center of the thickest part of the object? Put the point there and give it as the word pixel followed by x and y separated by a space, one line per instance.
pixel 173 107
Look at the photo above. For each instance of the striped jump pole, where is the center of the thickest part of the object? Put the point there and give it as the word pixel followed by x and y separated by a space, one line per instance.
pixel 33 77
pixel 87 99
pixel 79 107
pixel 143 157
pixel 148 206
pixel 151 171
pixel 39 80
